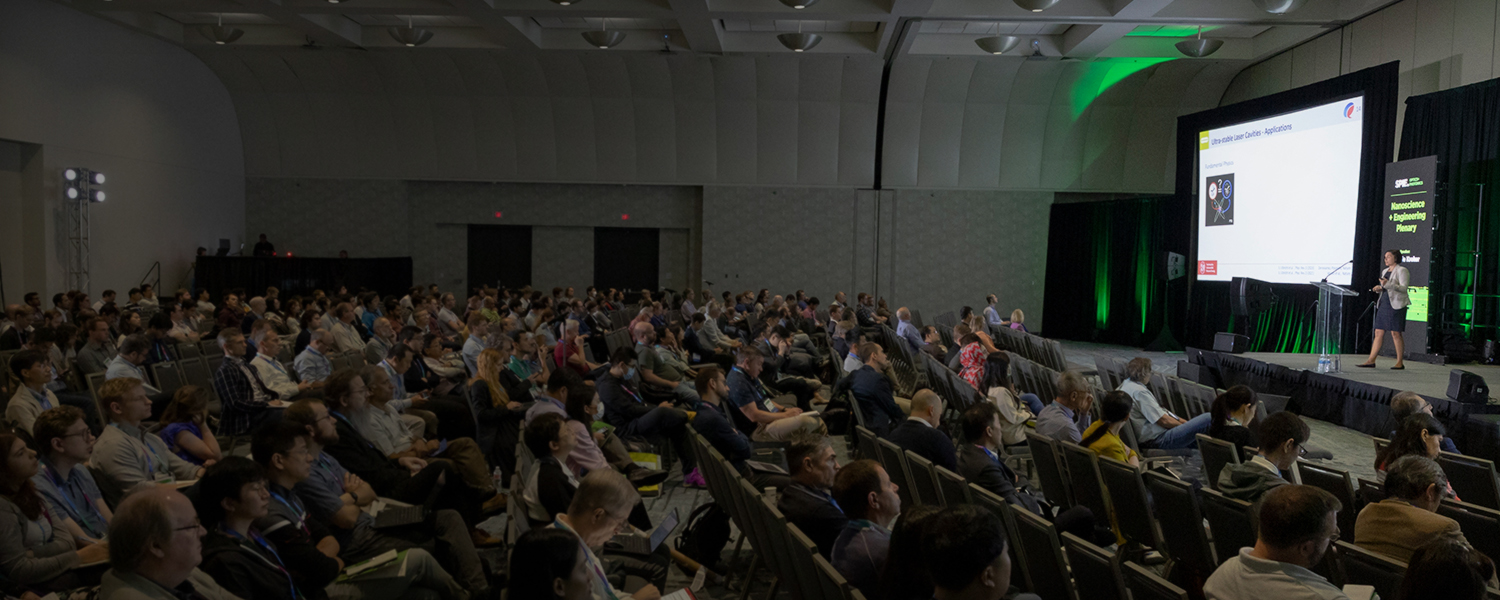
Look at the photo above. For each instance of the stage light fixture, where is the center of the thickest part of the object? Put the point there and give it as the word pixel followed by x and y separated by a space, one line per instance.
pixel 96 195
pixel 1198 47
pixel 799 4
pixel 80 183
pixel 1279 7
pixel 98 178
pixel 604 39
pixel 1035 5
pixel 410 36
pixel 71 174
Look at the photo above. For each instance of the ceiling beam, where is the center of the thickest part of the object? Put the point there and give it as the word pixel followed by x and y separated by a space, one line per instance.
pixel 512 32
pixel 1090 40
pixel 703 32
pixel 331 30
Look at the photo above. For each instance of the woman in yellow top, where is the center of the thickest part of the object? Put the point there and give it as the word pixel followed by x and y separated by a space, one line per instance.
pixel 1103 437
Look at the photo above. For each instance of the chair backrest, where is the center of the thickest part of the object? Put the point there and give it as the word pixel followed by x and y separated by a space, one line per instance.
pixel 1362 567
pixel 168 377
pixel 95 381
pixel 1131 503
pixel 830 581
pixel 1217 454
pixel 1049 470
pixel 1044 558
pixel 894 461
pixel 213 363
pixel 923 480
pixel 356 359
pixel 1481 526
pixel 1230 520
pixel 1096 571
pixel 1367 491
pixel 1147 585
pixel 802 552
pixel 210 347
pixel 1335 482
pixel 1181 521
pixel 1380 445
pixel 997 505
pixel 1083 471
pixel 866 443
pixel 955 488
pixel 1473 479
pixel 188 351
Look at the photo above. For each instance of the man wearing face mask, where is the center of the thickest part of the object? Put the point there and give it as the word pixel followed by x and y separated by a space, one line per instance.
pixel 628 411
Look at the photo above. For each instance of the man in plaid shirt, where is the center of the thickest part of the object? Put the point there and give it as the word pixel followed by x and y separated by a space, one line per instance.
pixel 245 398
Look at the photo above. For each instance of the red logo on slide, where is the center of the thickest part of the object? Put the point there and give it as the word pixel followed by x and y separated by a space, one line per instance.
pixel 1208 267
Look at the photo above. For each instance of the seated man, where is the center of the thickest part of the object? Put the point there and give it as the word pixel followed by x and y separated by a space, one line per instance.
pixel 245 398
pixel 336 498
pixel 447 417
pixel 63 479
pixel 313 365
pixel 155 549
pixel 1281 438
pixel 756 413
pixel 129 454
pixel 909 332
pixel 345 336
pixel 964 552
pixel 1297 525
pixel 934 344
pixel 273 374
pixel 593 449
pixel 382 338
pixel 1406 404
pixel 33 370
pixel 808 502
pixel 1407 519
pixel 628 411
pixel 479 327
pixel 693 340
pixel 131 362
pixel 99 350
pixel 1158 427
pixel 600 506
pixel 710 337
pixel 655 373
pixel 920 434
pixel 304 539
pixel 713 423
pixel 872 390
pixel 868 497
pixel 787 368
pixel 979 460
pixel 1068 415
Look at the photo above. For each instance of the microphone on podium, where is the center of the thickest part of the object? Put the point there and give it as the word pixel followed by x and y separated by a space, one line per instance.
pixel 1335 270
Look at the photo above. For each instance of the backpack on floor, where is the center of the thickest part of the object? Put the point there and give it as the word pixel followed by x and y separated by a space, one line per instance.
pixel 706 535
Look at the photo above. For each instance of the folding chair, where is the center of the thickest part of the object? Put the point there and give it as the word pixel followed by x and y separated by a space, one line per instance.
pixel 1335 482
pixel 998 506
pixel 1044 558
pixel 894 461
pixel 923 480
pixel 1096 571
pixel 1363 567
pixel 1049 470
pixel 1181 520
pixel 1231 522
pixel 1473 479
pixel 1146 585
pixel 1131 503
pixel 210 347
pixel 833 584
pixel 955 488
pixel 168 377
pixel 866 442
pixel 1088 484
pixel 1217 454
pixel 1481 526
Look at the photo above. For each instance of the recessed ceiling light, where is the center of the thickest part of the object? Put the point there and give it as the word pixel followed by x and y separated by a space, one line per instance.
pixel 1035 5
pixel 1279 7
pixel 799 4
pixel 999 44
pixel 799 42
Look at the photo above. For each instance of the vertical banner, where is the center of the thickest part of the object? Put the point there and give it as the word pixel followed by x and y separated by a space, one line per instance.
pixel 1410 190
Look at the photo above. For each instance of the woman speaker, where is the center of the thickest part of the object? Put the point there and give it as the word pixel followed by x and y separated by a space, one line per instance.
pixel 1390 309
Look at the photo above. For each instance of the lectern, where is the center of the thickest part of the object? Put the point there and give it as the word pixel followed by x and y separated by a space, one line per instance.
pixel 1328 331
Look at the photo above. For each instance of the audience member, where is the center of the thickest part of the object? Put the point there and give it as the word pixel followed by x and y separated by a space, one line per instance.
pixel 1297 524
pixel 919 433
pixel 478 329
pixel 98 349
pixel 964 551
pixel 1407 519
pixel 184 426
pixel 345 337
pixel 273 374
pixel 598 511
pixel 632 416
pixel 33 370
pixel 808 501
pixel 907 331
pixel 758 415
pixel 714 424
pixel 1420 434
pixel 547 485
pixel 1156 426
pixel 869 498
pixel 126 452
pixel 980 463
pixel 549 564
pixel 232 496
pixel 312 363
pixel 35 552
pixel 1231 414
pixel 1282 436
pixel 1449 570
pixel 245 398
pixel 1016 409
pixel 1103 437
pixel 157 546
pixel 1406 404
pixel 497 415
pixel 1068 414
pixel 873 391
pixel 904 576
pixel 73 499
pixel 789 368
pixel 654 373
pixel 598 449
pixel 992 312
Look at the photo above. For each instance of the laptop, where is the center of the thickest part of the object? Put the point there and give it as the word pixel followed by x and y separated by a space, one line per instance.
pixel 636 544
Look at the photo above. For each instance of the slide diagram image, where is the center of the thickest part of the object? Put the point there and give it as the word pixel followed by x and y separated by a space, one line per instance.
pixel 1220 202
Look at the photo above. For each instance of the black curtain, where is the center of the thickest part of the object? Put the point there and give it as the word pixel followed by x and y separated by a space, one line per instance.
pixel 294 276
pixel 1461 127
pixel 1106 269
pixel 627 258
pixel 1209 312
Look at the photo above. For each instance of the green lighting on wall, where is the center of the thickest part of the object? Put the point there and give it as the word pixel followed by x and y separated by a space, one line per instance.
pixel 1104 74
pixel 1170 31
pixel 1101 269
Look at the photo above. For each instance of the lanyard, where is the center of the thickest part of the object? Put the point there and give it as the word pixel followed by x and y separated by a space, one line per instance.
pixel 150 452
pixel 41 398
pixel 988 452
pixel 274 364
pixel 260 541
pixel 63 486
pixel 296 510
pixel 351 427
pixel 819 495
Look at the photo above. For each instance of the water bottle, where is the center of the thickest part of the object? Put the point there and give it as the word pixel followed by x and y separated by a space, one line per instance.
pixel 497 478
pixel 770 494
pixel 1323 363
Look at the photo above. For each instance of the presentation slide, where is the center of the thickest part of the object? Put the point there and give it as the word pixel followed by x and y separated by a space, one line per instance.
pixel 1278 195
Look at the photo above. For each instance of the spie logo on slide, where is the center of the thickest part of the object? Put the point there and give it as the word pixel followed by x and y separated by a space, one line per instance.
pixel 1208 267
pixel 1349 110
pixel 1218 207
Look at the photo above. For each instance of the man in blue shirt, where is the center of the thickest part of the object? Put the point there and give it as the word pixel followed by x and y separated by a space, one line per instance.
pixel 756 414
pixel 1158 427
pixel 478 328
pixel 909 332
pixel 312 365
pixel 1068 415
pixel 63 479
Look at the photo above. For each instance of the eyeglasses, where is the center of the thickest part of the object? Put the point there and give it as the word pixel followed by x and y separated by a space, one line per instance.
pixel 85 433
pixel 196 525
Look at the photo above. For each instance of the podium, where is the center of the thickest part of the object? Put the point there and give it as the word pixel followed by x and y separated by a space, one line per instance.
pixel 1328 331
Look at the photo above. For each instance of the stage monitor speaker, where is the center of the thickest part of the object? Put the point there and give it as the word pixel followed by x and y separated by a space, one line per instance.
pixel 1467 387
pixel 1232 343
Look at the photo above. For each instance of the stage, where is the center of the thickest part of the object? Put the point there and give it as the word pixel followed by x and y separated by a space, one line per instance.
pixel 1425 379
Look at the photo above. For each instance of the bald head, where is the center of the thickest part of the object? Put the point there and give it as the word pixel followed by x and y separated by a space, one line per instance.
pixel 153 534
pixel 258 304
pixel 903 314
pixel 928 406
pixel 644 332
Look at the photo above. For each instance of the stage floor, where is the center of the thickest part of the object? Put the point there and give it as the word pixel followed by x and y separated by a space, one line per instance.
pixel 1422 378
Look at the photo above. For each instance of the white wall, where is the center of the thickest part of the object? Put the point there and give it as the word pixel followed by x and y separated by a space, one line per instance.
pixel 1441 44
pixel 146 113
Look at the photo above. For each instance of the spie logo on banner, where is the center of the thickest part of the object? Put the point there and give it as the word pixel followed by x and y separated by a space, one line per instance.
pixel 1208 267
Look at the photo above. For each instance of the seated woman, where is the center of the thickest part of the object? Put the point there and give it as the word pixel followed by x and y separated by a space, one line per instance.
pixel 35 555
pixel 497 416
pixel 1420 434
pixel 1015 408
pixel 185 427
pixel 971 358
pixel 1231 411
pixel 548 484
pixel 1018 320
pixel 1103 437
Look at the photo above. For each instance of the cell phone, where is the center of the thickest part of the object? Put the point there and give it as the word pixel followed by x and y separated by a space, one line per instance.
pixel 442 446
